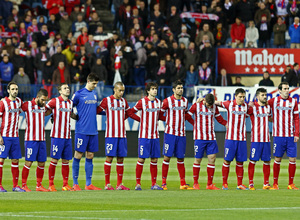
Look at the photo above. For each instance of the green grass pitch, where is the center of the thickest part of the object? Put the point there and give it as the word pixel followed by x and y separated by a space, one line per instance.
pixel 147 204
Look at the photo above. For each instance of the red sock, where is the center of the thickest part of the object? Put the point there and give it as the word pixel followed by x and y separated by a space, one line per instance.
pixel 1 172
pixel 107 168
pixel 65 170
pixel 181 171
pixel 196 171
pixel 266 170
pixel 165 169
pixel 225 172
pixel 39 175
pixel 120 171
pixel 51 172
pixel 239 169
pixel 25 173
pixel 251 169
pixel 292 171
pixel 210 173
pixel 138 172
pixel 276 169
pixel 153 171
pixel 15 173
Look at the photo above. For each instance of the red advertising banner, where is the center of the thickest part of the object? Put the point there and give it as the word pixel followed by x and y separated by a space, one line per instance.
pixel 256 61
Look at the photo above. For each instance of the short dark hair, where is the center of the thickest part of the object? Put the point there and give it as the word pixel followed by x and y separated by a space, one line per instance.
pixel 282 83
pixel 295 64
pixel 11 83
pixel 260 90
pixel 59 86
pixel 238 91
pixel 177 83
pixel 149 85
pixel 210 99
pixel 92 77
pixel 42 92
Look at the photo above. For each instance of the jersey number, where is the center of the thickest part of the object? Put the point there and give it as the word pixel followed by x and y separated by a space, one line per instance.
pixel 166 148
pixel 54 149
pixel 226 151
pixel 274 148
pixel 29 152
pixel 109 148
pixel 79 142
pixel 253 152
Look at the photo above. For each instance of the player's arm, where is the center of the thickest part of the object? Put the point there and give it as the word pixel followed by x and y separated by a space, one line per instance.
pixel 296 122
pixel 164 107
pixel 192 110
pixel 219 117
pixel 49 106
pixel 74 116
pixel 189 118
pixel 2 109
pixel 130 113
pixel 102 106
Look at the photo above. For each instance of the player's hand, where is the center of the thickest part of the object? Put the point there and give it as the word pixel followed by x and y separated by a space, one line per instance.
pixel 51 119
pixel 251 104
pixel 226 126
pixel 200 100
pixel 296 139
pixel 76 117
pixel 1 140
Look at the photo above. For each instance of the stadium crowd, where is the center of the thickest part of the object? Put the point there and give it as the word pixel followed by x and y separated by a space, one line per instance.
pixel 52 41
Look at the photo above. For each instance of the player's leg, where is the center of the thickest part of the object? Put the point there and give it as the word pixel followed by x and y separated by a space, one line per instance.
pixel 138 173
pixel 168 151
pixel 51 174
pixel 107 170
pixel 211 151
pixel 229 153
pixel 279 147
pixel 121 154
pixel 31 151
pixel 255 154
pixel 41 158
pixel 241 157
pixel 1 173
pixel 143 153
pixel 292 154
pixel 199 152
pixel 110 152
pixel 57 145
pixel 154 154
pixel 266 157
pixel 25 173
pixel 92 147
pixel 65 169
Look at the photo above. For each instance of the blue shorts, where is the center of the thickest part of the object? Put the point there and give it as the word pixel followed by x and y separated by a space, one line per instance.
pixel 87 143
pixel 11 148
pixel 61 148
pixel 149 148
pixel 284 144
pixel 237 149
pixel 201 146
pixel 174 145
pixel 35 151
pixel 116 147
pixel 260 150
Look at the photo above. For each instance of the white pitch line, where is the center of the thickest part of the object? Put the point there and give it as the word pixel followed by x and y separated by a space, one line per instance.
pixel 50 216
pixel 157 210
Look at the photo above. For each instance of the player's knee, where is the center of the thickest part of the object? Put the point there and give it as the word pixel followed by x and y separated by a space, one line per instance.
pixel 141 160
pixel 41 164
pixel 120 159
pixel 180 159
pixel 78 155
pixel 28 163
pixel 227 162
pixel 15 160
pixel 211 159
pixel 89 155
pixel 154 160
pixel 277 159
pixel 292 159
pixel 167 159
pixel 109 159
pixel 54 160
pixel 2 160
pixel 197 160
pixel 64 161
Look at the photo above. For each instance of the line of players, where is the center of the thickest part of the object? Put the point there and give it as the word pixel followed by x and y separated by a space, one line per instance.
pixel 173 110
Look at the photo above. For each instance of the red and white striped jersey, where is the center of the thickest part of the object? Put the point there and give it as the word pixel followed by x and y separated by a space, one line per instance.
pixel 285 117
pixel 9 112
pixel 115 116
pixel 236 118
pixel 204 123
pixel 35 119
pixel 259 116
pixel 149 117
pixel 175 115
pixel 61 111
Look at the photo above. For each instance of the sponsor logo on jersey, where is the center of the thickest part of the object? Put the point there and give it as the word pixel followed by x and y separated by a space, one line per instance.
pixel 284 108
pixel 64 109
pixel 206 113
pixel 178 108
pixel 14 110
pixel 38 110
pixel 90 102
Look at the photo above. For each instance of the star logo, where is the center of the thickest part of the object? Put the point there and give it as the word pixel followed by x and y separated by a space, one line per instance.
pixel 255 69
pixel 247 69
pixel 264 69
pixel 273 70
pixel 281 69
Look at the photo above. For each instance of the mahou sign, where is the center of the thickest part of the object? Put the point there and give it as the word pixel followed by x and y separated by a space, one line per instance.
pixel 256 61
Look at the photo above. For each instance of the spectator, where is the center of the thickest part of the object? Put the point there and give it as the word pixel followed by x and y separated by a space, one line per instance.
pixel 53 6
pixel 179 73
pixel 279 33
pixel 15 17
pixel 224 79
pixel 101 71
pixel 162 49
pixel 84 63
pixel 266 81
pixel 244 10
pixel 158 19
pixel 191 56
pixel 78 25
pixel 74 14
pixel 238 81
pixel 207 54
pixel 70 5
pixel 42 36
pixel 90 45
pixel 152 62
pixel 102 52
pixel 69 53
pixel 205 31
pixel 162 77
pixel 9 48
pixel 124 68
pixel 143 13
pixel 264 31
pixel 66 23
pixel 220 35
pixel 293 9
pixel 130 56
pixel 61 74
pixel 94 23
pixel 294 32
pixel 204 74
pixel 6 71
pixel 17 60
pixel 41 22
pixel 83 37
pixel 5 10
pixel 262 12
pixel 140 62
pixel 237 33
pixel 29 66
pixel 23 81
pixel 251 35
pixel 296 71
pixel 11 27
pixel 75 72
pixel 39 62
pixel 184 37
pixel 34 25
pixel 192 79
pixel 282 9
pixel 291 76
pixel 174 21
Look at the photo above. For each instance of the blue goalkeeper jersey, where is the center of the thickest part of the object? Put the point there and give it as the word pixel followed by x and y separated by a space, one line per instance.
pixel 85 102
